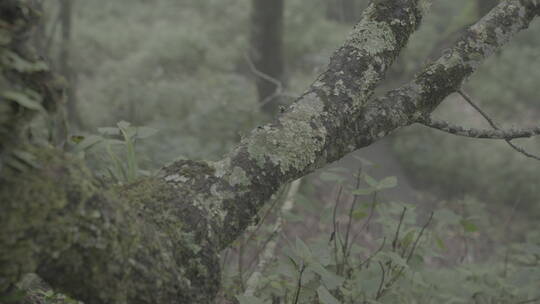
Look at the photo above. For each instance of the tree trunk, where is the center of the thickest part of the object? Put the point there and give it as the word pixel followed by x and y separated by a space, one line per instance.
pixel 267 51
pixel 157 240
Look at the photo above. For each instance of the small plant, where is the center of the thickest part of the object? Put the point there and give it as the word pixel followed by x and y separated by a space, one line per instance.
pixel 113 141
pixel 380 251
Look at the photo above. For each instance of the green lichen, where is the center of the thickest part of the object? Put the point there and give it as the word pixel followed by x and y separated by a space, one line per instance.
pixel 372 37
pixel 238 177
pixel 295 142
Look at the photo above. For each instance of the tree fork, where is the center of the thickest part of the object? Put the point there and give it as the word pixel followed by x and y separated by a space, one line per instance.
pixel 157 240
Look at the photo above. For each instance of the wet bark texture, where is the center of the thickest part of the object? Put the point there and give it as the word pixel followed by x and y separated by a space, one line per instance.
pixel 267 50
pixel 157 240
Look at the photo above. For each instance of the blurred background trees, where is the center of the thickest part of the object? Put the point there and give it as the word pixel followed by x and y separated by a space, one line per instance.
pixel 197 71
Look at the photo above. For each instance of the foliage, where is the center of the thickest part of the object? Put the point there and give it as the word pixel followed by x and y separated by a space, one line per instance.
pixel 398 261
pixel 122 137
pixel 179 67
pixel 504 87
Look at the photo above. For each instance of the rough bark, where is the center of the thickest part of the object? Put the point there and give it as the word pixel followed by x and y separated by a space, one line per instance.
pixel 267 50
pixel 157 240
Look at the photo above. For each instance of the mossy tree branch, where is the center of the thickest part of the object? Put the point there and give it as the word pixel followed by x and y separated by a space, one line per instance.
pixel 157 240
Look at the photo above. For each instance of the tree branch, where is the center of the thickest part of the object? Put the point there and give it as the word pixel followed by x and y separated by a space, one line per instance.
pixel 480 133
pixel 157 240
pixel 494 126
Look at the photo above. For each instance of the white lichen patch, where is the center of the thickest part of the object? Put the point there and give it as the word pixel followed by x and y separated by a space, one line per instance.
pixel 176 178
pixel 238 177
pixel 372 37
pixel 339 87
pixel 295 143
pixel 221 167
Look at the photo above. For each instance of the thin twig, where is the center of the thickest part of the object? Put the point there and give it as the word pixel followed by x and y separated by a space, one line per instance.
pixel 381 284
pixel 351 210
pixel 373 254
pixel 419 236
pixel 371 212
pixel 279 91
pixel 494 126
pixel 299 284
pixel 453 129
pixel 370 216
pixel 396 237
pixel 334 235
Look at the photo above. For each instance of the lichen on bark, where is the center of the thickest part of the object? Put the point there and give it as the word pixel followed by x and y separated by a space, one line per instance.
pixel 157 240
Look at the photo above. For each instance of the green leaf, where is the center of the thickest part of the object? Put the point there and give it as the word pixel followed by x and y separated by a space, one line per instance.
pixel 123 124
pixel 371 181
pixel 407 239
pixel 447 216
pixel 27 158
pixel 440 243
pixel 468 226
pixel 30 100
pixel 127 130
pixel 132 166
pixel 359 214
pixel 387 183
pixel 325 297
pixel 330 177
pixel 22 65
pixel 287 267
pixel 109 131
pixel 396 259
pixel 321 252
pixel 302 249
pixel 330 279
pixel 119 171
pixel 88 142
pixel 365 191
pixel 77 139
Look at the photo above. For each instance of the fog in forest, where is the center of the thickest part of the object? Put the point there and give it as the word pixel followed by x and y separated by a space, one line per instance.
pixel 419 216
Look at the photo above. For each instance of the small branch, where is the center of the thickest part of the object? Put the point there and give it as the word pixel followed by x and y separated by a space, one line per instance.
pixel 371 212
pixel 278 92
pixel 396 237
pixel 419 236
pixel 374 253
pixel 254 70
pixel 370 216
pixel 299 284
pixel 381 284
pixel 479 133
pixel 334 234
pixel 346 247
pixel 492 123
